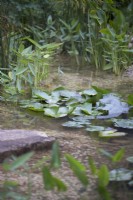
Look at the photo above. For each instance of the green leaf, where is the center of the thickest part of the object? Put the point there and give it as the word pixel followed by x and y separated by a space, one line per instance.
pixel 119 155
pixel 130 159
pixel 90 92
pixel 26 51
pixel 51 182
pixel 68 94
pixel 108 66
pixel 18 85
pixel 56 111
pixel 123 123
pixel 94 128
pixel 78 169
pixel 106 153
pixel 33 42
pixel 121 174
pixel 100 90
pixel 73 124
pixel 104 193
pixel 34 106
pixel 83 119
pixel 130 99
pixel 92 165
pixel 86 108
pixel 32 69
pixel 105 31
pixel 48 179
pixel 20 70
pixel 55 160
pixel 20 161
pixel 40 94
pixel 103 176
pixel 111 133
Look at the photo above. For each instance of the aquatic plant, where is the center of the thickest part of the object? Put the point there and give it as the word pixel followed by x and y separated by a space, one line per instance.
pixel 82 107
pixel 102 174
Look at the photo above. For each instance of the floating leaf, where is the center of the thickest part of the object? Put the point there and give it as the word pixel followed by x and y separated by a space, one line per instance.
pixel 111 133
pixel 84 119
pixel 34 106
pixel 123 123
pixel 68 94
pixel 90 92
pixel 56 111
pixel 86 108
pixel 121 174
pixel 130 159
pixel 40 94
pixel 73 124
pixel 95 128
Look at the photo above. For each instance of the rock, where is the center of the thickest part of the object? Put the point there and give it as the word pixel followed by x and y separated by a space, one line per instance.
pixel 19 141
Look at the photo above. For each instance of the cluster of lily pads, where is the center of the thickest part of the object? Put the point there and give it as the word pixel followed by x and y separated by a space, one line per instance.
pixel 82 107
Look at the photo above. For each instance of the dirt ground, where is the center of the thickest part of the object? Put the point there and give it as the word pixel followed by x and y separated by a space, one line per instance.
pixel 80 145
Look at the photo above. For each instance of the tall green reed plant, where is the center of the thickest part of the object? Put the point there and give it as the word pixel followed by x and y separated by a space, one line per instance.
pixel 32 64
pixel 108 37
pixel 115 43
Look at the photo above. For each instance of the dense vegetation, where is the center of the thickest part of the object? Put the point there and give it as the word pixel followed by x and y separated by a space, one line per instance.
pixel 96 31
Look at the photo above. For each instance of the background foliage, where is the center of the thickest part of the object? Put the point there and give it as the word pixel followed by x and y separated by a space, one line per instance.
pixel 98 31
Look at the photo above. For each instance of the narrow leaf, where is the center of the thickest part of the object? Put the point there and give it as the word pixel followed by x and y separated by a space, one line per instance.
pixel 55 161
pixel 78 169
pixel 20 161
pixel 103 176
pixel 119 155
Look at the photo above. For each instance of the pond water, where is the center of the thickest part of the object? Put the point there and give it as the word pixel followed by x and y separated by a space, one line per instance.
pixel 67 74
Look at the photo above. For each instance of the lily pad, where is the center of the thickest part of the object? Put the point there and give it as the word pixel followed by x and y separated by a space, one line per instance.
pixel 73 124
pixel 130 159
pixel 83 118
pixel 56 111
pixel 95 128
pixel 34 106
pixel 40 94
pixel 121 174
pixel 130 183
pixel 123 123
pixel 68 94
pixel 111 133
pixel 86 108
pixel 90 92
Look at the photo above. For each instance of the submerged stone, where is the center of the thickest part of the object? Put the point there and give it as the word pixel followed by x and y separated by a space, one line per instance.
pixel 18 141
